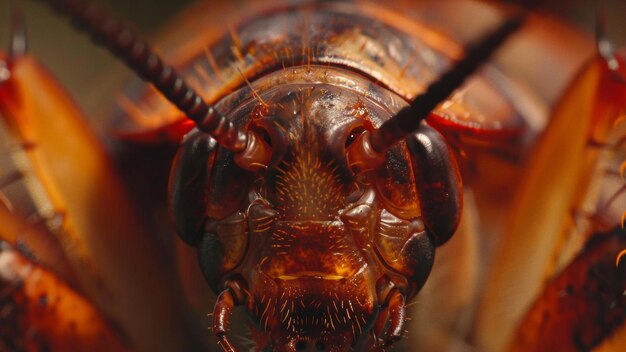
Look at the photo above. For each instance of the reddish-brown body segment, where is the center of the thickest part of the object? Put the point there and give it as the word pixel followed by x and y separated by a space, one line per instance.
pixel 583 304
pixel 95 226
pixel 55 316
pixel 405 198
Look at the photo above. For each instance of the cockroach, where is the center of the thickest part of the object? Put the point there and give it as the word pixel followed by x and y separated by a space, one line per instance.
pixel 324 148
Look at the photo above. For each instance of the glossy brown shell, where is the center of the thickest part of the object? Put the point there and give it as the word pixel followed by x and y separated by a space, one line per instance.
pixel 386 44
pixel 365 40
pixel 386 13
pixel 361 64
pixel 289 230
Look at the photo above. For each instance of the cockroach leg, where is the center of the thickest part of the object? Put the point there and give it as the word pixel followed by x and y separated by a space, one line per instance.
pixel 235 293
pixel 221 319
pixel 397 318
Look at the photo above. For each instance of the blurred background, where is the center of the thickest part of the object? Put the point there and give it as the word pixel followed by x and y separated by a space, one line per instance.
pixel 88 72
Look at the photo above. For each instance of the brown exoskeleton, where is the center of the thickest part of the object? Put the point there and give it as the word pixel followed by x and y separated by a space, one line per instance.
pixel 314 195
pixel 316 199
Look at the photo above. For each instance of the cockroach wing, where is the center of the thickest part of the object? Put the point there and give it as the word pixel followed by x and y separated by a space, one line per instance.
pixel 41 312
pixel 557 181
pixel 564 318
pixel 76 186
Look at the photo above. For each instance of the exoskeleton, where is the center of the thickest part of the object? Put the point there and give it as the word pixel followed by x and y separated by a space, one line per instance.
pixel 324 149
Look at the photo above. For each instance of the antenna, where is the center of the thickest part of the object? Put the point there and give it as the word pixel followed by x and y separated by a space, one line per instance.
pixel 109 32
pixel 409 118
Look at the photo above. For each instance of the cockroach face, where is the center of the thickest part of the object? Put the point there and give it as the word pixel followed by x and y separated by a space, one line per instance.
pixel 314 282
pixel 310 241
